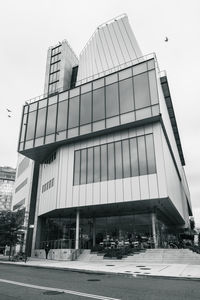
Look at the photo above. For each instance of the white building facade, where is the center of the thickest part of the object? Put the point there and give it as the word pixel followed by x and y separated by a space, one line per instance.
pixel 107 152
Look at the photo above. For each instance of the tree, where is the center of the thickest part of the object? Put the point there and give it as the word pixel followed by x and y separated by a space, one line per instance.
pixel 11 224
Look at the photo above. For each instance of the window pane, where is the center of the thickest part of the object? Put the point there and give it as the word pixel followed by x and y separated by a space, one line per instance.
pixel 103 162
pixel 73 112
pixel 24 124
pixel 141 89
pixel 98 105
pixel 96 164
pixel 83 166
pixel 86 108
pixel 126 95
pixel 118 159
pixel 51 119
pixel 77 168
pixel 111 165
pixel 41 122
pixel 134 157
pixel 62 115
pixel 142 155
pixel 31 125
pixel 90 166
pixel 126 159
pixel 112 101
pixel 151 162
pixel 153 87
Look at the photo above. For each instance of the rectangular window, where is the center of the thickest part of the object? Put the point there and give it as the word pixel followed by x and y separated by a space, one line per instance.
pixel 90 165
pixel 103 162
pixel 83 166
pixel 62 115
pixel 118 160
pixel 73 112
pixel 98 105
pixel 141 90
pixel 51 119
pixel 126 159
pixel 96 164
pixel 151 161
pixel 126 95
pixel 86 108
pixel 142 155
pixel 111 162
pixel 77 167
pixel 31 125
pixel 134 157
pixel 41 119
pixel 112 100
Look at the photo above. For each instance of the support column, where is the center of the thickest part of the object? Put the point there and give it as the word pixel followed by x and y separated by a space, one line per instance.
pixel 153 219
pixel 77 229
pixel 94 232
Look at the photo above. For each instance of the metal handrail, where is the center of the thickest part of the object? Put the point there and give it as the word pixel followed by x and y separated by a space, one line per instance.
pixel 99 75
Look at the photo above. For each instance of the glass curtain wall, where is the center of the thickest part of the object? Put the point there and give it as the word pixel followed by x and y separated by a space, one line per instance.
pixel 120 159
pixel 126 96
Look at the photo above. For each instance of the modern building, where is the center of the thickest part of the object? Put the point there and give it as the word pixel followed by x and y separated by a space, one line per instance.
pixel 108 161
pixel 23 190
pixel 7 179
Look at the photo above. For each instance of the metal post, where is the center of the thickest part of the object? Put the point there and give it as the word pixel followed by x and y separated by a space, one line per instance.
pixel 153 219
pixel 94 233
pixel 77 229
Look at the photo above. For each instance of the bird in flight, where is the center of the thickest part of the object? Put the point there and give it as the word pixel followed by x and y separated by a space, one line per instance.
pixel 8 110
pixel 166 39
pixel 9 116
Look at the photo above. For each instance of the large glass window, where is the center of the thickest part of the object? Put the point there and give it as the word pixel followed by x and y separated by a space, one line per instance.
pixel 73 112
pixel 134 157
pixel 103 162
pixel 83 166
pixel 126 159
pixel 41 119
pixel 62 115
pixel 98 104
pixel 111 161
pixel 31 125
pixel 118 160
pixel 142 155
pixel 141 90
pixel 126 95
pixel 86 108
pixel 112 101
pixel 51 119
pixel 96 164
pixel 151 161
pixel 90 166
pixel 77 167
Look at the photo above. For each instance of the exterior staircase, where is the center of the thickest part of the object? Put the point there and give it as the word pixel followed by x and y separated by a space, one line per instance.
pixel 150 256
pixel 165 256
pixel 86 255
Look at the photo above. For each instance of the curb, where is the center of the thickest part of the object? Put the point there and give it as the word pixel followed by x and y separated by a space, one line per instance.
pixel 86 271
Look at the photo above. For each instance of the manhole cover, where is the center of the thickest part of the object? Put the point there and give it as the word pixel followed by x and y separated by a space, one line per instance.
pixel 94 279
pixel 140 266
pixel 110 265
pixel 52 293
pixel 128 271
pixel 147 273
pixel 137 272
pixel 145 268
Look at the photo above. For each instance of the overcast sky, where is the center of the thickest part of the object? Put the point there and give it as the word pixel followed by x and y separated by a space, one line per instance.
pixel 28 28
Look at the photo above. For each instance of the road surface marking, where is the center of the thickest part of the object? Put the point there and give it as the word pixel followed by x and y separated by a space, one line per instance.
pixel 58 290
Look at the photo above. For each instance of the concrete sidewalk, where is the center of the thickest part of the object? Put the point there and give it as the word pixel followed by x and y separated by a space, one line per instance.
pixel 116 267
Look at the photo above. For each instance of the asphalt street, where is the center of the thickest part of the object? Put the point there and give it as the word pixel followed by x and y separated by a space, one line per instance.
pixel 30 283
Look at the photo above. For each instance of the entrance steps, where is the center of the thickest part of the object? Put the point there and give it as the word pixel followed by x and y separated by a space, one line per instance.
pixel 86 255
pixel 165 256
